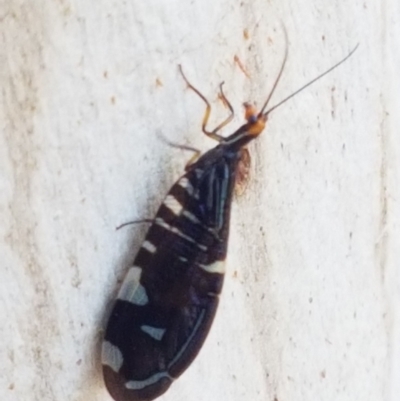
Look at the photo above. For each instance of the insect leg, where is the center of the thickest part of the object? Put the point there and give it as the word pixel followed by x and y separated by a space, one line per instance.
pixel 196 152
pixel 242 172
pixel 149 221
pixel 230 117
pixel 212 134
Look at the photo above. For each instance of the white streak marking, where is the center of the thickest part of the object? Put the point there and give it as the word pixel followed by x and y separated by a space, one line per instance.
pixel 139 384
pixel 185 184
pixel 168 227
pixel 149 246
pixel 216 267
pixel 172 204
pixel 111 356
pixel 154 332
pixel 191 217
pixel 131 289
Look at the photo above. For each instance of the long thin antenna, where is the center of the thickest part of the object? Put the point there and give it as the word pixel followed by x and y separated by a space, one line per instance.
pixel 279 74
pixel 309 83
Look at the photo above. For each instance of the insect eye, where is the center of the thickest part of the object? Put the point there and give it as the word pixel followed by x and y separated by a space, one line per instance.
pixel 252 119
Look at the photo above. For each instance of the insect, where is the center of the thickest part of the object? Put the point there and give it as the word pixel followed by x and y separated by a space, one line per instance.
pixel 169 297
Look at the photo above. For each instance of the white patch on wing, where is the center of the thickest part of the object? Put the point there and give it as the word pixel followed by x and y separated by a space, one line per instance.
pixel 149 246
pixel 111 356
pixel 139 384
pixel 172 204
pixel 131 290
pixel 216 267
pixel 154 332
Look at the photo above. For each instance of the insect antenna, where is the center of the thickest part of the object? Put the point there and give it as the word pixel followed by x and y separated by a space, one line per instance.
pixel 279 74
pixel 304 86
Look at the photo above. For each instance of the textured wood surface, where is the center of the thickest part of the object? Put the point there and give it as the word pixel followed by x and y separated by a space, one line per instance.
pixel 310 308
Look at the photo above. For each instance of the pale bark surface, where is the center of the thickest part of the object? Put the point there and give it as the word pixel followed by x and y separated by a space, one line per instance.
pixel 310 307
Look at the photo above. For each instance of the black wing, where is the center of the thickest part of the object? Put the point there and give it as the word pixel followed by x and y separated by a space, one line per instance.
pixel 169 297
